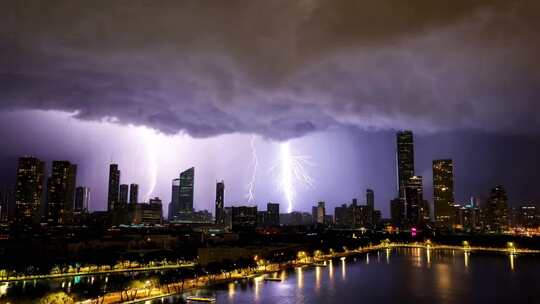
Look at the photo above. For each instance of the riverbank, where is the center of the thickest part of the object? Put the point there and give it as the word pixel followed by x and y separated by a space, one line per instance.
pixel 303 261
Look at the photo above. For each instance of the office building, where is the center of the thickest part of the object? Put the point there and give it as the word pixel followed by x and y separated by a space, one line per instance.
pixel 187 182
pixel 272 210
pixel 28 191
pixel 123 195
pixel 321 213
pixel 414 201
pixel 133 194
pixel 82 198
pixel 220 198
pixel 174 205
pixel 147 214
pixel 244 218
pixel 114 187
pixel 497 210
pixel 443 192
pixel 405 160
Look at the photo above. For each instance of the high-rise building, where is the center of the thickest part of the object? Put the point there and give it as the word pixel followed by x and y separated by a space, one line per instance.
pixel 61 193
pixel 405 160
pixel 443 191
pixel 133 194
pixel 114 187
pixel 414 201
pixel 174 205
pixel 82 197
pixel 272 214
pixel 220 197
pixel 497 210
pixel 187 181
pixel 28 191
pixel 6 204
pixel 123 195
pixel 370 199
pixel 321 213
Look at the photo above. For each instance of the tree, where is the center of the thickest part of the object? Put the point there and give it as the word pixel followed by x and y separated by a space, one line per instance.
pixel 57 298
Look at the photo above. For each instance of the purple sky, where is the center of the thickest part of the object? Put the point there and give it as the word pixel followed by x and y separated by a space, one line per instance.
pixel 91 81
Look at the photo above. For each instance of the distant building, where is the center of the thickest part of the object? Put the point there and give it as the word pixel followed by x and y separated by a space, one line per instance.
pixel 405 160
pixel 28 191
pixel 148 214
pixel 321 213
pixel 202 216
pixel 466 218
pixel 370 199
pixel 220 203
pixel 272 210
pixel 7 204
pixel 328 219
pixel 262 218
pixel 123 195
pixel 244 218
pixel 443 191
pixel 114 187
pixel 174 205
pixel 133 194
pixel 405 171
pixel 370 202
pixel 187 182
pixel 82 197
pixel 528 216
pixel 61 193
pixel 497 210
pixel 414 199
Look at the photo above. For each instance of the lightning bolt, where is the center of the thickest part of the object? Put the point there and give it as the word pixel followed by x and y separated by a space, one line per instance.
pixel 251 186
pixel 149 136
pixel 292 172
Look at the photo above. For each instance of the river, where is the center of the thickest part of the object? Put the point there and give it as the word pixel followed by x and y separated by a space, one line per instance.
pixel 404 275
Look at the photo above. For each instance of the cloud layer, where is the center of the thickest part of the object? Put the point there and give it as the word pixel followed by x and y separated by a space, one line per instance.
pixel 281 69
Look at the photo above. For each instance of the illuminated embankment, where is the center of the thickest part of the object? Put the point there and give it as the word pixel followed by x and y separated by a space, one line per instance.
pixel 92 273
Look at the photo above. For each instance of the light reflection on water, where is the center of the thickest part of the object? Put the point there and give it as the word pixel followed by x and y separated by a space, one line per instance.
pixel 413 276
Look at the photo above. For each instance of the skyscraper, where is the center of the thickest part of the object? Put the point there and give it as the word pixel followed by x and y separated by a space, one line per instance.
pixel 174 205
pixel 370 199
pixel 133 194
pixel 187 180
pixel 405 160
pixel 321 213
pixel 61 193
pixel 123 195
pixel 497 210
pixel 220 213
pixel 28 191
pixel 272 214
pixel 414 199
pixel 82 197
pixel 114 184
pixel 443 191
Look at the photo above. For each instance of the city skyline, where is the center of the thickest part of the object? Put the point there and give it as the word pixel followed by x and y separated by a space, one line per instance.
pixel 409 202
pixel 334 93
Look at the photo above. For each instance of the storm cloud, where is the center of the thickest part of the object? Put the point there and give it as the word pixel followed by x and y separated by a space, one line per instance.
pixel 281 69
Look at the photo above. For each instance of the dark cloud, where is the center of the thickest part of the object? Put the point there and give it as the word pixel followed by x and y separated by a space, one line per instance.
pixel 278 68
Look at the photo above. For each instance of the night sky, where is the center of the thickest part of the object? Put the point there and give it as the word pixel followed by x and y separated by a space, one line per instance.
pixel 160 86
